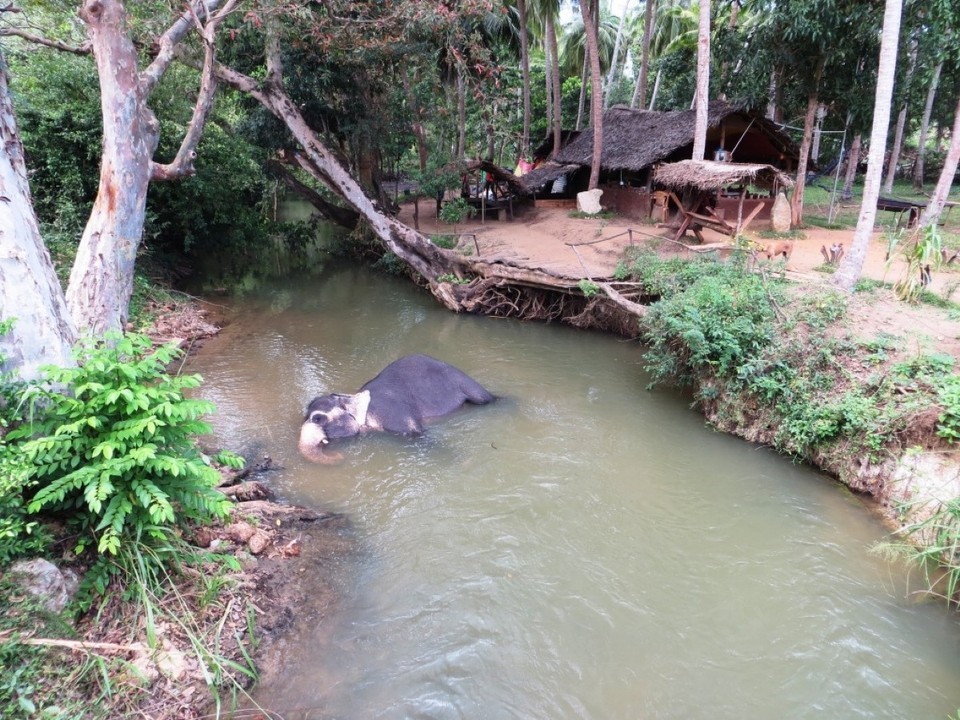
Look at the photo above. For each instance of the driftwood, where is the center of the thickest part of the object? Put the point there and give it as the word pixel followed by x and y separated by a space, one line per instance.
pixel 832 256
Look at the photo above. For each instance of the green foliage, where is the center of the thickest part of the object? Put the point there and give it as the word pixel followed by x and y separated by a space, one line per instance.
pixel 20 535
pixel 447 242
pixel 602 215
pixel 588 287
pixel 453 279
pixel 113 448
pixel 161 595
pixel 922 255
pixel 710 319
pixel 948 393
pixel 933 545
pixel 34 682
pixel 456 211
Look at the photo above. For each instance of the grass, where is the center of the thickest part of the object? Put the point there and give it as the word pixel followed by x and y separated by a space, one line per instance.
pixel 188 616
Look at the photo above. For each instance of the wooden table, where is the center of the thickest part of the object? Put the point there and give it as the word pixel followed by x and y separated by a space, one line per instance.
pixel 697 212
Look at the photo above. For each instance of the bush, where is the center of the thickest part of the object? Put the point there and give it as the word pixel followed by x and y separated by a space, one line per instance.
pixel 710 316
pixel 112 447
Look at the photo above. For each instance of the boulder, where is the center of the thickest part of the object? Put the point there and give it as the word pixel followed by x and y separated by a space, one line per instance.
pixel 43 579
pixel 780 215
pixel 588 201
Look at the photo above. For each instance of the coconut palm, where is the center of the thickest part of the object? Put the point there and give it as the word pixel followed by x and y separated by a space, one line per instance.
pixel 852 265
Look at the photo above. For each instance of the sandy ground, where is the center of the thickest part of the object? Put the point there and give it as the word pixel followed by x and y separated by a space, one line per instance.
pixel 552 240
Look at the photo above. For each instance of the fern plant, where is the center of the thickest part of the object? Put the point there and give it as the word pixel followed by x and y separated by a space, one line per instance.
pixel 113 446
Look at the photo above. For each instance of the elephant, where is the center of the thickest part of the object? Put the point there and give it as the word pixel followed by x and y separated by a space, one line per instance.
pixel 406 393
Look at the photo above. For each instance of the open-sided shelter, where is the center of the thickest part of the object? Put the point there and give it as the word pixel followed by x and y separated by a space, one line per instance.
pixel 723 196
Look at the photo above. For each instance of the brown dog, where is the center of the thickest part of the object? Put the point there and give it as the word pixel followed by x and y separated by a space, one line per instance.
pixel 775 248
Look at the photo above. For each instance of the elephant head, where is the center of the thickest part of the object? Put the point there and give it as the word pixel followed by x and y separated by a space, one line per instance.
pixel 332 417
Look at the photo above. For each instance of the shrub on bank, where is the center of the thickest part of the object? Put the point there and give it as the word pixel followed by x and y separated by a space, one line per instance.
pixel 106 453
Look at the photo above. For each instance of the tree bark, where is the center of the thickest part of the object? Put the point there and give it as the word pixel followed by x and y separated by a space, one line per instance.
pixel 925 127
pixel 894 159
pixel 583 88
pixel 419 133
pixel 555 79
pixel 30 293
pixel 853 160
pixel 702 97
pixel 640 93
pixel 852 264
pixel 101 280
pixel 813 101
pixel 612 74
pixel 462 115
pixel 931 214
pixel 525 73
pixel 596 90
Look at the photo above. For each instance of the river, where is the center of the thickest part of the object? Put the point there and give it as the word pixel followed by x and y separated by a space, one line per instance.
pixel 582 548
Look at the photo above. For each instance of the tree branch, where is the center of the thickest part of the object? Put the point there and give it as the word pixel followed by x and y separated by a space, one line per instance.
pixel 182 164
pixel 344 217
pixel 84 49
pixel 171 38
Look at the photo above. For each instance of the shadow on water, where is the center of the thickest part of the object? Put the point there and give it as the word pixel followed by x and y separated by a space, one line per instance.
pixel 585 548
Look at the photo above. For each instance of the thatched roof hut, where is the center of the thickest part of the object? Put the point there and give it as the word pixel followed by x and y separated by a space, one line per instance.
pixel 634 140
pixel 708 175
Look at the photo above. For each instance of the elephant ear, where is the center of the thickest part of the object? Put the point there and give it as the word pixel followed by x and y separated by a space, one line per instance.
pixel 357 405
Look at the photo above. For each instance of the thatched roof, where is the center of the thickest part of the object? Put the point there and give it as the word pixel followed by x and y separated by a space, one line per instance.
pixel 710 175
pixel 546 173
pixel 636 139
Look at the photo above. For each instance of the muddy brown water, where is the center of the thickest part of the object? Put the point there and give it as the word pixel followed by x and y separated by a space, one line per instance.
pixel 583 548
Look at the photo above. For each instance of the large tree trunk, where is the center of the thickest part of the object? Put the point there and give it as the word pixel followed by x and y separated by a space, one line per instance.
pixel 640 93
pixel 419 134
pixel 101 280
pixel 894 158
pixel 702 96
pixel 612 74
pixel 931 214
pixel 525 73
pixel 461 150
pixel 813 101
pixel 30 293
pixel 853 160
pixel 852 264
pixel 925 127
pixel 596 89
pixel 555 79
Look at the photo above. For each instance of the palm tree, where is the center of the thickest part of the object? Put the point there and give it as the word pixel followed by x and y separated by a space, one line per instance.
pixel 545 14
pixel 640 92
pixel 932 212
pixel 852 264
pixel 590 12
pixel 702 96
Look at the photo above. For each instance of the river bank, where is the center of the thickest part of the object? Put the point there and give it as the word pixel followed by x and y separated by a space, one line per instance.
pixel 915 473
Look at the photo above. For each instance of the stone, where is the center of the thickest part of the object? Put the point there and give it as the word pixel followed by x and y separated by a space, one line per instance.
pixel 43 579
pixel 780 216
pixel 588 201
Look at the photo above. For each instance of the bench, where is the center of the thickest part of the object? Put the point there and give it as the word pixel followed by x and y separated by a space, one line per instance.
pixel 911 208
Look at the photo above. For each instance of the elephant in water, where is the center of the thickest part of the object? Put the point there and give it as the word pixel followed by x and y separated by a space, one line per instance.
pixel 407 392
